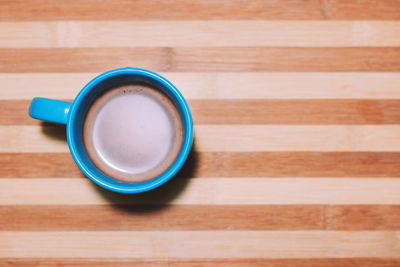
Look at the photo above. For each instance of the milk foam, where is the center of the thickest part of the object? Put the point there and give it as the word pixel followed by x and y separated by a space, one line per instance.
pixel 133 132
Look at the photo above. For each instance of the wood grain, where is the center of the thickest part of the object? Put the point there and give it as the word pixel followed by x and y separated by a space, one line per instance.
pixel 297 112
pixel 264 262
pixel 199 217
pixel 82 59
pixel 289 112
pixel 162 217
pixel 225 164
pixel 258 111
pixel 362 9
pixel 221 85
pixel 363 217
pixel 35 165
pixel 302 59
pixel 286 59
pixel 296 138
pixel 200 9
pixel 203 33
pixel 214 244
pixel 296 159
pixel 207 191
pixel 241 138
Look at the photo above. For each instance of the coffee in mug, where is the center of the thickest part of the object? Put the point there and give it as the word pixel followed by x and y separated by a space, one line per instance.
pixel 133 132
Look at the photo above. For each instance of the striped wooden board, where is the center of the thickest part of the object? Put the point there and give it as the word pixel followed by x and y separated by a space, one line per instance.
pixel 296 160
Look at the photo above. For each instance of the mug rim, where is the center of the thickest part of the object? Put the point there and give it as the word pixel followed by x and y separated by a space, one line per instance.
pixel 157 181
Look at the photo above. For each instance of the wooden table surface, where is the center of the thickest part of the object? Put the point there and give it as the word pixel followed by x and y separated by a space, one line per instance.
pixel 297 139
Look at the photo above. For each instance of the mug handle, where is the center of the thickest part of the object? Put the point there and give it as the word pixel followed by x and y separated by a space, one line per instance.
pixel 49 110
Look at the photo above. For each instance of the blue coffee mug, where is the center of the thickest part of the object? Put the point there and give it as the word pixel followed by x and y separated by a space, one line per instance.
pixel 73 115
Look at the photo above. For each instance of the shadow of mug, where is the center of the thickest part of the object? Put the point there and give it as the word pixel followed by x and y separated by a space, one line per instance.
pixel 54 131
pixel 158 198
pixel 149 201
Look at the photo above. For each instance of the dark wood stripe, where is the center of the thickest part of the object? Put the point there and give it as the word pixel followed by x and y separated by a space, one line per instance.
pixel 18 112
pixel 199 9
pixel 362 9
pixel 200 217
pixel 363 217
pixel 286 59
pixel 293 164
pixel 38 165
pixel 82 59
pixel 296 111
pixel 223 164
pixel 374 59
pixel 257 111
pixel 264 262
pixel 156 218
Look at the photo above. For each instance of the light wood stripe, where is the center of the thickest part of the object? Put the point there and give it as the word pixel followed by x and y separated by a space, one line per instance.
pixel 207 191
pixel 162 217
pixel 265 262
pixel 199 217
pixel 278 59
pixel 223 85
pixel 199 9
pixel 233 138
pixel 257 111
pixel 33 139
pixel 203 33
pixel 297 138
pixel 204 244
pixel 226 164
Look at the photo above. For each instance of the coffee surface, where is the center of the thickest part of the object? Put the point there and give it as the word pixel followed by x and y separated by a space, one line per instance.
pixel 133 133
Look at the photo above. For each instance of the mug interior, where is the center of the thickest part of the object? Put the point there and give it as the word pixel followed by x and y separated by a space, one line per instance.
pixel 86 98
